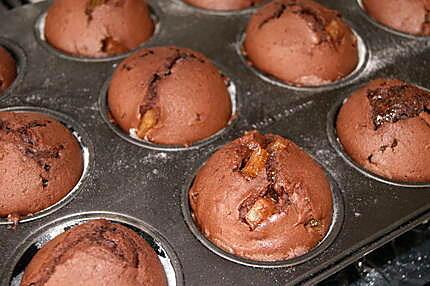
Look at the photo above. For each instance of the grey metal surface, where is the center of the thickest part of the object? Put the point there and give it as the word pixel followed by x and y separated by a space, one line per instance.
pixel 148 184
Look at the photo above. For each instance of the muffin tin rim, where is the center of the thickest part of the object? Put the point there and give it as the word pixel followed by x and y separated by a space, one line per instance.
pixel 21 60
pixel 338 217
pixel 39 34
pixel 79 218
pixel 213 12
pixel 364 56
pixel 104 112
pixel 337 145
pixel 87 151
pixel 387 28
pixel 277 277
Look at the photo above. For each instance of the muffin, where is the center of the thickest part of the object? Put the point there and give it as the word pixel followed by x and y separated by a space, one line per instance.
pixel 169 95
pixel 98 28
pixel 95 253
pixel 40 162
pixel 263 198
pixel 223 5
pixel 301 42
pixel 7 69
pixel 385 128
pixel 408 16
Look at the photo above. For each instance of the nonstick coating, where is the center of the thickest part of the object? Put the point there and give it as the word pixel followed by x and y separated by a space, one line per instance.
pixel 149 185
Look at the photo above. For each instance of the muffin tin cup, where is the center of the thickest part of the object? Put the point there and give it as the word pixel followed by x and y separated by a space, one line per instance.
pixel 105 113
pixel 152 183
pixel 389 29
pixel 12 274
pixel 363 58
pixel 39 28
pixel 21 65
pixel 336 144
pixel 87 154
pixel 245 11
pixel 333 231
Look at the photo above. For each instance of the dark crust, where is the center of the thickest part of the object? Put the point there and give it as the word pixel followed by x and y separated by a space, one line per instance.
pixel 399 102
pixel 277 14
pixel 426 24
pixel 313 17
pixel 109 45
pixel 150 98
pixel 146 53
pixel 28 146
pixel 91 6
pixel 89 236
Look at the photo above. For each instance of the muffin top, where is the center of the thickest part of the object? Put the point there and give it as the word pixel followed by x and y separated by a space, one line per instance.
pixel 408 16
pixel 98 28
pixel 301 42
pixel 223 5
pixel 170 96
pixel 40 162
pixel 263 198
pixel 95 253
pixel 385 127
pixel 7 69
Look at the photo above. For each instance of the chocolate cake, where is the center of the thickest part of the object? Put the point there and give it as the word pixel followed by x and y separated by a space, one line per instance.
pixel 40 163
pixel 95 253
pixel 385 128
pixel 408 16
pixel 301 42
pixel 7 69
pixel 169 95
pixel 98 28
pixel 223 5
pixel 263 198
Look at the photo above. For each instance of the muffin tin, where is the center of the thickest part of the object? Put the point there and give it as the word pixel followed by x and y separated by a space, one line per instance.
pixel 146 186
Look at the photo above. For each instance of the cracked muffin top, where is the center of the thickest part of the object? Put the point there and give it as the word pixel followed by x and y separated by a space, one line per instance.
pixel 385 127
pixel 301 42
pixel 40 162
pixel 95 253
pixel 408 16
pixel 7 69
pixel 170 96
pixel 98 28
pixel 223 5
pixel 263 198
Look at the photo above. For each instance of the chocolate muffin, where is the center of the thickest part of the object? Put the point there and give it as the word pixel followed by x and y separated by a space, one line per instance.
pixel 169 95
pixel 263 198
pixel 408 16
pixel 96 253
pixel 7 69
pixel 301 42
pixel 385 128
pixel 98 28
pixel 40 162
pixel 223 5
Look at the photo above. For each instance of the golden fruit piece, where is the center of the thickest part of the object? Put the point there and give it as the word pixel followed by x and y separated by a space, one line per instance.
pixel 260 211
pixel 277 146
pixel 112 47
pixel 314 223
pixel 148 121
pixel 335 30
pixel 256 162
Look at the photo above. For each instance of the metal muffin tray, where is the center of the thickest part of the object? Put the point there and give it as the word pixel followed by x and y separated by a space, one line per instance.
pixel 144 186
